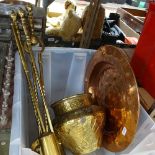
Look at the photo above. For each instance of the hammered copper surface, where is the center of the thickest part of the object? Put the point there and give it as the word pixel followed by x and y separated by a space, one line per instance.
pixel 81 131
pixel 110 80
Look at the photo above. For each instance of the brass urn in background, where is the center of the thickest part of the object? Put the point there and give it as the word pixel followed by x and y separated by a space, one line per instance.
pixel 79 124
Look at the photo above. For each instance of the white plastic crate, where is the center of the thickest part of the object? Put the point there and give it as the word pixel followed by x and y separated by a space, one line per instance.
pixel 64 70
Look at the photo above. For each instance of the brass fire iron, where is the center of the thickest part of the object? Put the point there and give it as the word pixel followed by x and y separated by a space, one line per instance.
pixel 47 142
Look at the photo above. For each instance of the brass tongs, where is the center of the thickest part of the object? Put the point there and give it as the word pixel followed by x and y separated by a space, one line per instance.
pixel 47 141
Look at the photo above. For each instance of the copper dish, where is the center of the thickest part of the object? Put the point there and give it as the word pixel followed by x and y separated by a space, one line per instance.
pixel 110 80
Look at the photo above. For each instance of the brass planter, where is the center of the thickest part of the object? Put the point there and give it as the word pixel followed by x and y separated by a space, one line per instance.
pixel 79 124
pixel 71 104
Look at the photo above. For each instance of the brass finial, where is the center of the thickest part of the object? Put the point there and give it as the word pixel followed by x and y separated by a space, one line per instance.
pixel 13 15
pixel 21 13
pixel 34 39
pixel 29 7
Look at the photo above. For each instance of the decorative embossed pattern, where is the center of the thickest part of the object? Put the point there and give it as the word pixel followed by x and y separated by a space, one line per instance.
pixel 81 131
pixel 71 104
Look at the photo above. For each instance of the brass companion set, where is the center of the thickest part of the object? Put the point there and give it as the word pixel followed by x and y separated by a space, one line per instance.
pixel 106 115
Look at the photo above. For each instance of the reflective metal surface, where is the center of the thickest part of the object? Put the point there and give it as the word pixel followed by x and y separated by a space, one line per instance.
pixel 47 140
pixel 82 133
pixel 79 125
pixel 5 10
pixel 71 104
pixel 110 80
pixel 46 144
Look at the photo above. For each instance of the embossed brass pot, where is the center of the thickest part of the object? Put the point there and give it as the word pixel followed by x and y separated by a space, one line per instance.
pixel 79 124
pixel 71 104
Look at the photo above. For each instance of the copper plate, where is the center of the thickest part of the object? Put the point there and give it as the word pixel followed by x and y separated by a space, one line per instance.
pixel 110 80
